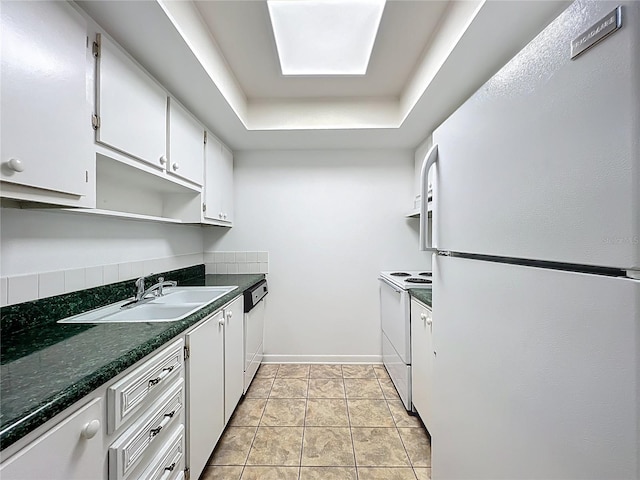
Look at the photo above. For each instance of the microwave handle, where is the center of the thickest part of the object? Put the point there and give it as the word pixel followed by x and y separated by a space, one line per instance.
pixel 430 159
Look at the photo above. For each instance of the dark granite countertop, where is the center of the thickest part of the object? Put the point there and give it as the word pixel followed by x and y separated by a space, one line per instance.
pixel 49 366
pixel 421 294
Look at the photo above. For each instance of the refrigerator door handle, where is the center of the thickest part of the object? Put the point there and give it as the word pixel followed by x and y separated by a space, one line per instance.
pixel 430 159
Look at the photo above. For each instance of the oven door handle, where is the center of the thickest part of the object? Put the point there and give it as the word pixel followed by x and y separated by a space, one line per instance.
pixel 397 290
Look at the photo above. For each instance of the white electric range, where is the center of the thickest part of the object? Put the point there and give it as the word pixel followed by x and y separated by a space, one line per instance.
pixel 395 320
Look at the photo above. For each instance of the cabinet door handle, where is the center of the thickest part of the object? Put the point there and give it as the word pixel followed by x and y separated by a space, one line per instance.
pixel 90 429
pixel 163 160
pixel 15 164
pixel 429 321
pixel 229 315
pixel 175 167
pixel 221 321
pixel 158 379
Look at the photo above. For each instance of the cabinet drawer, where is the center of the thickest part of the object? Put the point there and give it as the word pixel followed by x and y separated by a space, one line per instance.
pixel 126 452
pixel 169 461
pixel 126 396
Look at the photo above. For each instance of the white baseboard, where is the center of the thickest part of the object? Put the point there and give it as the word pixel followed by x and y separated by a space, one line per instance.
pixel 274 358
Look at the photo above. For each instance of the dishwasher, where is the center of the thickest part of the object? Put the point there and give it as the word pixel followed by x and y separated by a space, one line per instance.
pixel 254 308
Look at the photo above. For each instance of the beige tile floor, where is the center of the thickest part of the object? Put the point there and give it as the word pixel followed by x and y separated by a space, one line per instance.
pixel 321 422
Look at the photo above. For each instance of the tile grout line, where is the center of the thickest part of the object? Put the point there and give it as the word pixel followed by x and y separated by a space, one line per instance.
pixel 399 435
pixel 304 424
pixel 259 422
pixel 353 447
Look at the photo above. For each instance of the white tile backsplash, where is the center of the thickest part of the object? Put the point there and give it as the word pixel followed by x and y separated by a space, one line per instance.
pixel 50 284
pixel 74 280
pixel 93 277
pixel 137 269
pixel 221 268
pixel 22 288
pixel 25 288
pixel 3 292
pixel 110 274
pixel 124 271
pixel 236 262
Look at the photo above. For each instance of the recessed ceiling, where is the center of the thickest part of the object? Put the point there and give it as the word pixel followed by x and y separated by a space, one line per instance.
pixel 242 31
pixel 220 60
pixel 324 37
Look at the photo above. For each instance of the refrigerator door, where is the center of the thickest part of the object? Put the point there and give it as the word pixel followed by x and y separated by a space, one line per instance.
pixel 536 373
pixel 543 162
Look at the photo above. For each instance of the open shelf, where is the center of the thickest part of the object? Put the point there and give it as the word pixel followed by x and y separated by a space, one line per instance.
pixel 125 215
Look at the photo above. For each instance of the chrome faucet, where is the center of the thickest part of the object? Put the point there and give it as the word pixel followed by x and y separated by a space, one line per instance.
pixel 156 289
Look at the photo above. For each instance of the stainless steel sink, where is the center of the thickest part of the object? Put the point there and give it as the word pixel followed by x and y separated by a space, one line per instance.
pixel 176 304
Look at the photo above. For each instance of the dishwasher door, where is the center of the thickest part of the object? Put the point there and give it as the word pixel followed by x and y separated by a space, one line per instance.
pixel 253 341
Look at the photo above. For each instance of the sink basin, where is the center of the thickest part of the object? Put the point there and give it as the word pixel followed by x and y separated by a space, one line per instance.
pixel 182 295
pixel 176 304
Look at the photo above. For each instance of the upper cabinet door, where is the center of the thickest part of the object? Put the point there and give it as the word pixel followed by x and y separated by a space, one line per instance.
pixel 186 144
pixel 218 186
pixel 46 131
pixel 213 173
pixel 131 106
pixel 226 185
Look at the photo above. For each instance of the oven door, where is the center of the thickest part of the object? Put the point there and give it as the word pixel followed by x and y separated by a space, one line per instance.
pixel 394 317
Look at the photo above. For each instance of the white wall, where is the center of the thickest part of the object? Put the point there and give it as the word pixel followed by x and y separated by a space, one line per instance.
pixel 70 245
pixel 330 220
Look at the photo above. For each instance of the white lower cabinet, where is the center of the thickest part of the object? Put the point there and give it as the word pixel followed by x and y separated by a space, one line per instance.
pixel 73 449
pixel 233 356
pixel 149 423
pixel 422 360
pixel 205 390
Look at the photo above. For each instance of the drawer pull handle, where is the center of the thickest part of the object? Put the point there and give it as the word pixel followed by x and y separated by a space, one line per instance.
pixel 167 418
pixel 167 471
pixel 158 379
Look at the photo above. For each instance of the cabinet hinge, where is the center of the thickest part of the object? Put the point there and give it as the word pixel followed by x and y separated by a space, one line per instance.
pixel 95 121
pixel 187 474
pixel 204 207
pixel 86 176
pixel 186 352
pixel 97 45
pixel 205 137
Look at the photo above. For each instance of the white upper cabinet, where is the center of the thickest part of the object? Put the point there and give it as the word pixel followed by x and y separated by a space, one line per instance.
pixel 226 185
pixel 186 144
pixel 46 130
pixel 131 106
pixel 218 182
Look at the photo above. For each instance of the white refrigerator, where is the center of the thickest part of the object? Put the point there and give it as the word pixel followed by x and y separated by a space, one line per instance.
pixel 536 260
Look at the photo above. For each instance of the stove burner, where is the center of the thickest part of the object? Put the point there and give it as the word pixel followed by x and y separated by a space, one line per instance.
pixel 417 280
pixel 400 274
pixel 425 274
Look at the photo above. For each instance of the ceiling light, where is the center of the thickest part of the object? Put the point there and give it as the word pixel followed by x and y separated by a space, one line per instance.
pixel 325 37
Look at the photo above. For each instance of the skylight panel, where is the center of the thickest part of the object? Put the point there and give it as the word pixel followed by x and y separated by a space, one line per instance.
pixel 325 37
